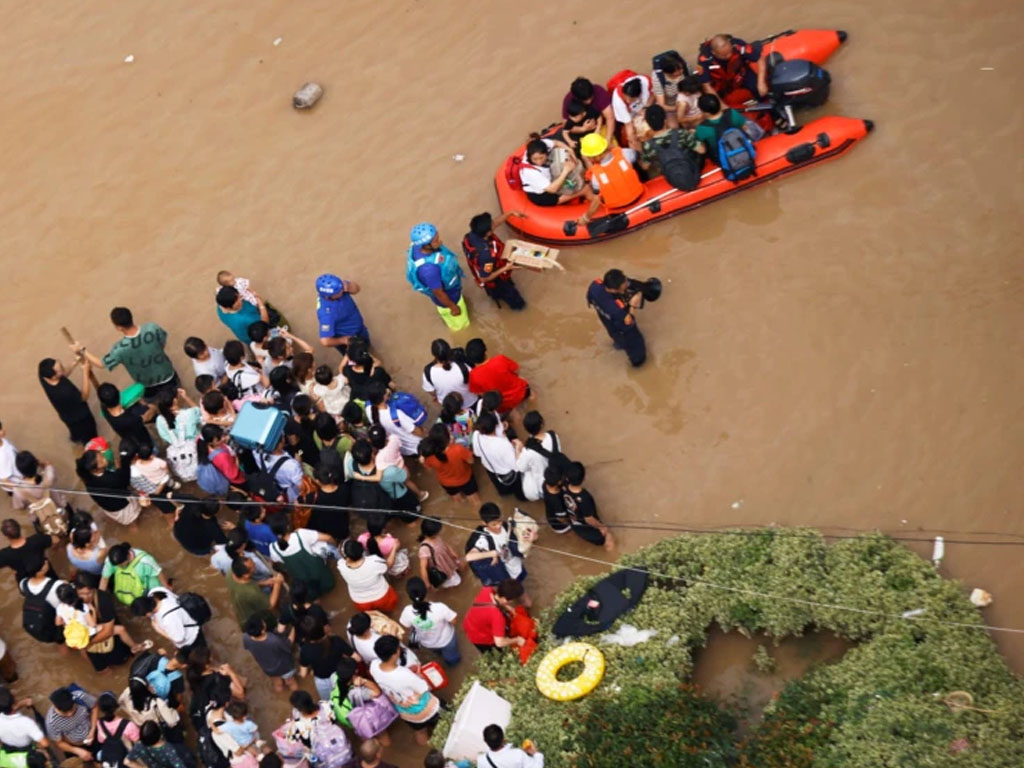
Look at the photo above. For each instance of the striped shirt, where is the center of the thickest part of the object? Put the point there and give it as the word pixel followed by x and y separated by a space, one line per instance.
pixel 73 728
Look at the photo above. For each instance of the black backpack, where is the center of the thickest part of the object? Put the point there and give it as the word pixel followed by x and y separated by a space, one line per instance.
pixel 680 166
pixel 490 575
pixel 368 495
pixel 112 751
pixel 38 617
pixel 196 607
pixel 263 483
pixel 555 457
pixel 209 753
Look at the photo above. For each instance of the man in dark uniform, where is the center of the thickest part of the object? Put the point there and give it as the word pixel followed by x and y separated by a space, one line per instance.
pixel 484 254
pixel 608 298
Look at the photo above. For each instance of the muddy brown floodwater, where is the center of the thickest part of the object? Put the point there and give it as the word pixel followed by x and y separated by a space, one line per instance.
pixel 839 349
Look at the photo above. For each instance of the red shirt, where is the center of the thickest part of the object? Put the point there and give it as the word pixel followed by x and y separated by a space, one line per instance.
pixel 484 622
pixel 499 372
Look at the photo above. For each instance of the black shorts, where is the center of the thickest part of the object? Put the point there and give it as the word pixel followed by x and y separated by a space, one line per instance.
pixel 544 199
pixel 466 490
pixel 426 723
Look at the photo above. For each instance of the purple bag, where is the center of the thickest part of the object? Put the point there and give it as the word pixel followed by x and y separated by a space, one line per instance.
pixel 330 742
pixel 372 718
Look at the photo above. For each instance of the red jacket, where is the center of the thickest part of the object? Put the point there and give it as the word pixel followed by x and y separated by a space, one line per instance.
pixel 499 372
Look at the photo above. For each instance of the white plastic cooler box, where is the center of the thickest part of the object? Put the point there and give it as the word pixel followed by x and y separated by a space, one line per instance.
pixel 480 708
pixel 259 427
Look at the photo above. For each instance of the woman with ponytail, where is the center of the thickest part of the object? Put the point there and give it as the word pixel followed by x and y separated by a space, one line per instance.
pixel 451 462
pixel 447 373
pixel 457 419
pixel 433 624
pixel 298 551
pixel 217 466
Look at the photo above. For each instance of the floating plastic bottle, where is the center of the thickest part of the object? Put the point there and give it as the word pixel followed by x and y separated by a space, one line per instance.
pixel 938 551
pixel 307 96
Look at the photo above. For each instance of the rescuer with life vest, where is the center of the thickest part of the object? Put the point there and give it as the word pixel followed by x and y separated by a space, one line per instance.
pixel 485 255
pixel 611 174
pixel 725 69
pixel 434 271
pixel 610 297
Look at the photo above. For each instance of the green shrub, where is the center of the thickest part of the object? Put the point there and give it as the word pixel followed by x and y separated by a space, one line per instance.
pixel 880 705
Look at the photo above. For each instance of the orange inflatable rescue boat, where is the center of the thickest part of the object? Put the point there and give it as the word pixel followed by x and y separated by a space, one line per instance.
pixel 822 139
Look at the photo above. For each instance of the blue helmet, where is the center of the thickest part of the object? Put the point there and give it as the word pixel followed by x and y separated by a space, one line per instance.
pixel 328 285
pixel 423 233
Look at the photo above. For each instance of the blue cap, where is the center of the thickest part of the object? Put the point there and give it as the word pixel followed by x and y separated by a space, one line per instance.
pixel 423 233
pixel 329 285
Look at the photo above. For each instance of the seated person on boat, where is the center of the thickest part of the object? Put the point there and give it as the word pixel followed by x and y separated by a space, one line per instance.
pixel 596 98
pixel 611 173
pixel 546 185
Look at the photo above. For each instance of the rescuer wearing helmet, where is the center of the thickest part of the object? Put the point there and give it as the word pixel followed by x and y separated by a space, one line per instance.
pixel 337 315
pixel 611 174
pixel 434 271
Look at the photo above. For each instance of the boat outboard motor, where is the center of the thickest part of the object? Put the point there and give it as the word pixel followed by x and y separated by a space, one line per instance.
pixel 796 83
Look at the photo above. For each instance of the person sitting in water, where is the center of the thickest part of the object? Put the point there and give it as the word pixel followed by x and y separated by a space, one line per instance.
pixel 611 174
pixel 628 104
pixel 661 137
pixel 596 98
pixel 725 69
pixel 542 185
pixel 714 114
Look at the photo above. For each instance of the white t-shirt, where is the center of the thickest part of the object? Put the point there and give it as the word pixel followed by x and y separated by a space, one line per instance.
pixel 174 620
pixel 509 757
pixel 536 179
pixel 403 430
pixel 513 563
pixel 364 647
pixel 212 366
pixel 69 613
pixel 435 631
pixel 532 465
pixel 442 383
pixel 365 583
pixel 400 682
pixel 624 112
pixel 496 453
pixel 334 398
pixel 37 589
pixel 19 730
pixel 247 380
pixel 309 538
pixel 8 470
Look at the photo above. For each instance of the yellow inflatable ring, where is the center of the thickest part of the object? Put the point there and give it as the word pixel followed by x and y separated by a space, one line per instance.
pixel 593 670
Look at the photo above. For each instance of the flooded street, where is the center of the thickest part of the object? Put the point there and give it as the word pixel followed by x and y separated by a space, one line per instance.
pixel 841 348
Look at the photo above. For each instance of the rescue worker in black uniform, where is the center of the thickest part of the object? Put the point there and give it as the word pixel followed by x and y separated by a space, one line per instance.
pixel 608 297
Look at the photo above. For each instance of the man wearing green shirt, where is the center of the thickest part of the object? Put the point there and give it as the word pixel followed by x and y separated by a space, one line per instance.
pixel 141 351
pixel 714 114
pixel 246 596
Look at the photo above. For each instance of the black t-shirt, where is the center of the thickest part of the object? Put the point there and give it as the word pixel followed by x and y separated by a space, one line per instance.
pixel 554 505
pixel 106 608
pixel 129 424
pixel 359 381
pixel 67 400
pixel 296 615
pixel 330 521
pixel 579 504
pixel 27 559
pixel 323 657
pixel 197 534
pixel 112 481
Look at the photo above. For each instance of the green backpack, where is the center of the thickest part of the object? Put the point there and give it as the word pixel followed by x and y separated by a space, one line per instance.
pixel 341 708
pixel 128 585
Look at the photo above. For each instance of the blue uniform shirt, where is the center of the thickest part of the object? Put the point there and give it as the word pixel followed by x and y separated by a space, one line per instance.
pixel 430 275
pixel 612 308
pixel 339 317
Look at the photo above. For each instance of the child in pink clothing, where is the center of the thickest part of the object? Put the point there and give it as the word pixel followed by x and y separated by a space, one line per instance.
pixel 389 454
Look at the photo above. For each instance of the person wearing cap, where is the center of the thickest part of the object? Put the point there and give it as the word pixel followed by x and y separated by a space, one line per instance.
pixel 337 315
pixel 608 297
pixel 433 270
pixel 611 174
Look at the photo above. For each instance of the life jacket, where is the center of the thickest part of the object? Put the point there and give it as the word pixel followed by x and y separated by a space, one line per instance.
pixel 725 77
pixel 451 272
pixel 617 181
pixel 473 257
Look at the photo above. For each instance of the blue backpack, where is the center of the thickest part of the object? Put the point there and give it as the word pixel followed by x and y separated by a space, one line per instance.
pixel 210 479
pixel 409 405
pixel 736 153
pixel 451 272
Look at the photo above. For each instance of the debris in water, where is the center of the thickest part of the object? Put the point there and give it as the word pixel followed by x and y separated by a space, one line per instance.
pixel 129 59
pixel 307 96
pixel 903 522
pixel 737 504
pixel 911 614
pixel 458 158
pixel 988 69
pixel 278 40
pixel 980 597
pixel 938 551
